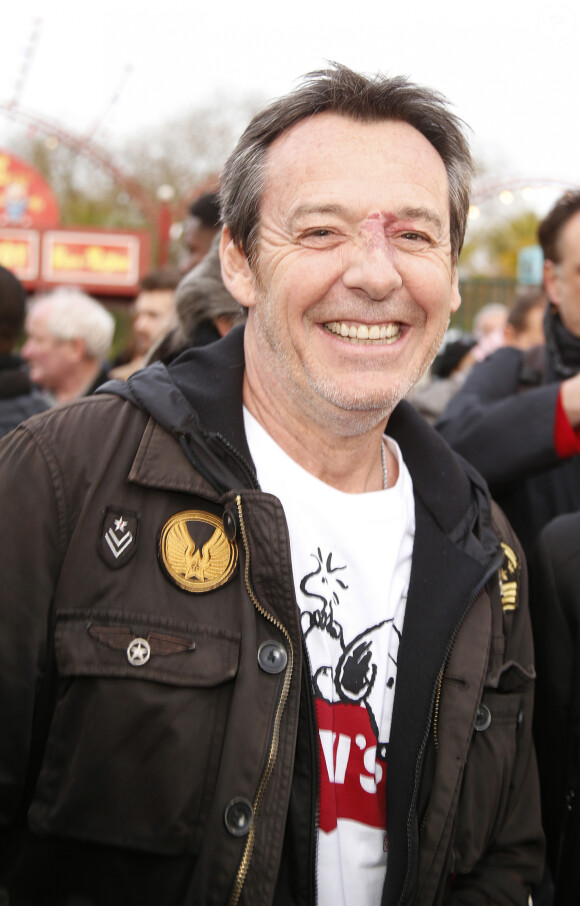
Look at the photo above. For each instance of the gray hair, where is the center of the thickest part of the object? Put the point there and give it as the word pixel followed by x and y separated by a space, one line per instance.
pixel 72 314
pixel 367 99
pixel 201 296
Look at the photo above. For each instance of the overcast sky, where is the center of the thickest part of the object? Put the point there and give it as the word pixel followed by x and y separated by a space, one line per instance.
pixel 509 66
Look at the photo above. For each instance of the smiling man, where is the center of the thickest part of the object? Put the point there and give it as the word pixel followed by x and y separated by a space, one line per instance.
pixel 270 653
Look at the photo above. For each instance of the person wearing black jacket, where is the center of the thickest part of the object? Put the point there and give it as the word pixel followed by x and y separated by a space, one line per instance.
pixel 555 596
pixel 18 397
pixel 517 417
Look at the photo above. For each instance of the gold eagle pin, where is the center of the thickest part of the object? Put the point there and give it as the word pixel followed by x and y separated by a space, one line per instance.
pixel 196 552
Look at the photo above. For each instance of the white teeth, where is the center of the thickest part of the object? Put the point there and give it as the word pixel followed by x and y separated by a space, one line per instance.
pixel 363 333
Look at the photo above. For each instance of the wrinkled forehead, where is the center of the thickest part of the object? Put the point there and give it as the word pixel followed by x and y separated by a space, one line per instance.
pixel 376 160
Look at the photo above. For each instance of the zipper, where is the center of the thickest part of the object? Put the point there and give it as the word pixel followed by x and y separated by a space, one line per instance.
pixel 436 708
pixel 212 441
pixel 435 703
pixel 245 466
pixel 275 739
pixel 315 765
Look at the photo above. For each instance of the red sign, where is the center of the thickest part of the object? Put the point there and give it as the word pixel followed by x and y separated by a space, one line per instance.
pixel 102 262
pixel 101 259
pixel 26 199
pixel 19 253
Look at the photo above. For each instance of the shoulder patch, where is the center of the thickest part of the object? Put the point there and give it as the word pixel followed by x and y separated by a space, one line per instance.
pixel 509 579
pixel 118 536
pixel 195 551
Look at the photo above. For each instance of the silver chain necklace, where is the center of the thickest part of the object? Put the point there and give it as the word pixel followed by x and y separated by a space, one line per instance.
pixel 384 464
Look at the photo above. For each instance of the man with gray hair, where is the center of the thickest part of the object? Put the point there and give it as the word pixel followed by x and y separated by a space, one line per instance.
pixel 269 654
pixel 68 338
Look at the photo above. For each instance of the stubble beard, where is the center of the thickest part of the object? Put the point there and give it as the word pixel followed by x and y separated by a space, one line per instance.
pixel 355 412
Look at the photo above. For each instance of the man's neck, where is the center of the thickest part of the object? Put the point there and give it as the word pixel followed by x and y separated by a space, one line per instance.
pixel 350 462
pixel 78 382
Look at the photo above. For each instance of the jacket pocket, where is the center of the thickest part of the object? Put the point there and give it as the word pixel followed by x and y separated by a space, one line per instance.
pixel 137 731
pixel 488 776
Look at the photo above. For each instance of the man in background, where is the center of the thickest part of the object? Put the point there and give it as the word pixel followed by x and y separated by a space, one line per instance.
pixel 524 327
pixel 201 226
pixel 68 339
pixel 517 417
pixel 206 311
pixel 154 315
pixel 18 397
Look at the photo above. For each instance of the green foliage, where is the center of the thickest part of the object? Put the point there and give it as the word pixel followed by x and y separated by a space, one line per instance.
pixel 183 153
pixel 493 250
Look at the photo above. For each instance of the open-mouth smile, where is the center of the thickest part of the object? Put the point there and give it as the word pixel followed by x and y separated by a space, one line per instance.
pixel 365 333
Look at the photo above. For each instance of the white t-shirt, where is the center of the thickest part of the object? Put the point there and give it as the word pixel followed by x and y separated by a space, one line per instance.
pixel 351 561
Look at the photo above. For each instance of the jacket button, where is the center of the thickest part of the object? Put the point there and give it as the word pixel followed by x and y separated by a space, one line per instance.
pixel 230 525
pixel 483 718
pixel 238 816
pixel 272 657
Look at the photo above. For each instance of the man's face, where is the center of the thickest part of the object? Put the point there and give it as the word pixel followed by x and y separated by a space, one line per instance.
pixel 197 240
pixel 154 316
pixel 562 280
pixel 50 361
pixel 354 281
pixel 533 332
pixel 491 322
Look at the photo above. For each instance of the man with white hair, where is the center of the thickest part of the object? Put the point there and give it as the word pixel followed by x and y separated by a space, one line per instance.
pixel 68 337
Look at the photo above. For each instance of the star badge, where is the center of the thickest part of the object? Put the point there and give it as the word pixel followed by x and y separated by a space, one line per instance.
pixel 138 652
pixel 118 536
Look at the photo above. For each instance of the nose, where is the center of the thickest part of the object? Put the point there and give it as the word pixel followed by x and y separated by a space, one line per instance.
pixel 372 268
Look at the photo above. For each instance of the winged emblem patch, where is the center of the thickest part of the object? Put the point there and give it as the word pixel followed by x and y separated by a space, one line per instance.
pixel 196 552
pixel 140 648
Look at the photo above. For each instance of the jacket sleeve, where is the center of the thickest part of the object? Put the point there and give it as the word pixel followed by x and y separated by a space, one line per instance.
pixel 512 857
pixel 506 435
pixel 32 521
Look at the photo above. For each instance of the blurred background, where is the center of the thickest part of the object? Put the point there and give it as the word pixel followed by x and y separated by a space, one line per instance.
pixel 116 116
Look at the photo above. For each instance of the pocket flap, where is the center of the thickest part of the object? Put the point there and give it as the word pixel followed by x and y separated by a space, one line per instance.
pixel 139 646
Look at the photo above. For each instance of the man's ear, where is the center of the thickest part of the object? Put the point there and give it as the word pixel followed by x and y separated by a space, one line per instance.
pixel 236 273
pixel 455 295
pixel 77 349
pixel 551 281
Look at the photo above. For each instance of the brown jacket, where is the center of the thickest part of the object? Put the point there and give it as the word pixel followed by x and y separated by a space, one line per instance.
pixel 151 753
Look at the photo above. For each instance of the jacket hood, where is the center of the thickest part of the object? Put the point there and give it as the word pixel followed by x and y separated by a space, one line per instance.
pixel 198 400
